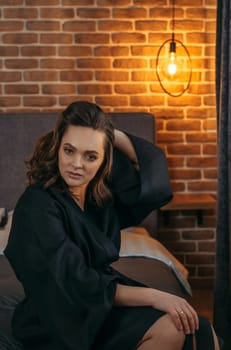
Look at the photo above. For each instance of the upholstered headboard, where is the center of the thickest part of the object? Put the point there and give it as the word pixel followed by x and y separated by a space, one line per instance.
pixel 19 132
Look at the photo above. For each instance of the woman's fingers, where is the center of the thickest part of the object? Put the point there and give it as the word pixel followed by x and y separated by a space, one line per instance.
pixel 186 318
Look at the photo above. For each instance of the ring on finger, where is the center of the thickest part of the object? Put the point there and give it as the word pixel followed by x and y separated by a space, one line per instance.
pixel 180 313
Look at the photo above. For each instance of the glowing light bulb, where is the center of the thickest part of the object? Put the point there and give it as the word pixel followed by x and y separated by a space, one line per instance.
pixel 172 67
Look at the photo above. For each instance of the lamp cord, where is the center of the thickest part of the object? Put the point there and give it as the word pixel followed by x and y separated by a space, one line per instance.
pixel 173 20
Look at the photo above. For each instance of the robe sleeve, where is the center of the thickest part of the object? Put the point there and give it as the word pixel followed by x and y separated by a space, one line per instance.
pixel 137 193
pixel 70 298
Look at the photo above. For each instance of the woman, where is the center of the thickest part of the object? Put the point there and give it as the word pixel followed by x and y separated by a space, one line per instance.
pixel 66 233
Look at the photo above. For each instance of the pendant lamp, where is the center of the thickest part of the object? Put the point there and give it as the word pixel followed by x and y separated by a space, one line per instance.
pixel 173 64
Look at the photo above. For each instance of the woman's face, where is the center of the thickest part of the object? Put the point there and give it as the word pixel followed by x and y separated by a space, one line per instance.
pixel 80 155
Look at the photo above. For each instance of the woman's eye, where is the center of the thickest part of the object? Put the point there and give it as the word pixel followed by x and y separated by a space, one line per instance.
pixel 68 151
pixel 91 157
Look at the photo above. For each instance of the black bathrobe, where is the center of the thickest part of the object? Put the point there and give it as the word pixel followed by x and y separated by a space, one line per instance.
pixel 62 257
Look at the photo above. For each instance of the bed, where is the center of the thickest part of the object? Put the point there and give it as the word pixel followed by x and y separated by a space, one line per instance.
pixel 141 257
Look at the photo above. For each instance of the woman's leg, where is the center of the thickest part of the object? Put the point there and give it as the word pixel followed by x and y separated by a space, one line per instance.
pixel 162 335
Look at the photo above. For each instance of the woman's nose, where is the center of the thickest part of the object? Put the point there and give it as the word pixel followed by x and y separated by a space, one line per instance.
pixel 77 162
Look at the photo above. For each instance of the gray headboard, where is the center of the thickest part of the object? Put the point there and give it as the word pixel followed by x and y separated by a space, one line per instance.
pixel 19 132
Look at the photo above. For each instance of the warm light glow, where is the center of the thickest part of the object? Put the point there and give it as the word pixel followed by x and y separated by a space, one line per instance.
pixel 172 68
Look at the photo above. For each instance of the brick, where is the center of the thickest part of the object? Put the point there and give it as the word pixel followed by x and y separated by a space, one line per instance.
pixel 9 101
pixel 40 75
pixel 111 76
pixel 58 38
pixel 20 38
pixel 169 112
pixel 38 51
pixel 210 174
pixel 143 75
pixel 140 100
pixel 197 13
pixel 94 89
pixel 209 221
pixel 144 50
pixel 163 137
pixel 113 25
pixel 75 51
pixel 22 13
pixel 178 186
pixel 201 259
pixel 202 162
pixel 189 25
pixel 42 2
pixel 10 26
pixel 210 124
pixel 184 174
pixel 58 89
pixel 111 51
pixel 201 137
pixel 54 63
pixel 78 2
pixel 43 26
pixel 130 89
pixel 200 38
pixel 175 162
pixel 198 235
pixel 21 89
pixel 150 2
pixel 206 271
pixel 60 12
pixel 177 222
pixel 112 100
pixel 66 100
pixel 93 38
pixel 93 13
pixel 136 12
pixel 201 113
pixel 161 12
pixel 181 246
pixel 79 26
pixel 151 25
pixel 207 246
pixel 202 283
pixel 185 101
pixel 183 125
pixel 209 101
pixel 8 51
pixel 10 76
pixel 11 2
pixel 94 63
pixel 129 63
pixel 128 37
pixel 166 235
pixel 204 186
pixel 39 101
pixel 111 3
pixel 183 149
pixel 21 63
pixel 70 75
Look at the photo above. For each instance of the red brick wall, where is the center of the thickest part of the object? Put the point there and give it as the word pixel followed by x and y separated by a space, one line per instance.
pixel 55 51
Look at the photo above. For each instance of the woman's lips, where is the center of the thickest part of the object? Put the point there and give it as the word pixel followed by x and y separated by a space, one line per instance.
pixel 74 175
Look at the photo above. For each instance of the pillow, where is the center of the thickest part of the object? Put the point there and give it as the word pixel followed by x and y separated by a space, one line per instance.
pixel 4 232
pixel 136 242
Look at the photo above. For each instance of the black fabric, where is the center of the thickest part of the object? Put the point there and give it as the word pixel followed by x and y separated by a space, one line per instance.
pixel 62 255
pixel 222 307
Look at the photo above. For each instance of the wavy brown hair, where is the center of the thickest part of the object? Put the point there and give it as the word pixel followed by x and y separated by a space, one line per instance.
pixel 43 165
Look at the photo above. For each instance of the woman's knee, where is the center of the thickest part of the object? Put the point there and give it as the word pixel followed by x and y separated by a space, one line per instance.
pixel 165 329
